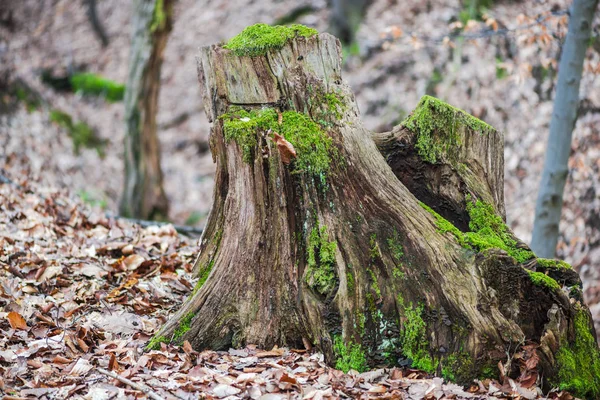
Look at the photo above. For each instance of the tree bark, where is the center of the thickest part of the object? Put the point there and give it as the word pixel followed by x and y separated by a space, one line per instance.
pixel 550 196
pixel 343 256
pixel 143 194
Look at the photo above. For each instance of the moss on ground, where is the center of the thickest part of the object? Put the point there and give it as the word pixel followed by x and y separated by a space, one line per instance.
pixel 259 39
pixel 350 356
pixel 314 148
pixel 320 274
pixel 541 279
pixel 487 231
pixel 579 361
pixel 92 84
pixel 154 343
pixel 437 125
pixel 458 367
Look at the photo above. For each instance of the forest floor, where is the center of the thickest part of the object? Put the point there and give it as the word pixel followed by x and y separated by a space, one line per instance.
pixel 82 294
pixel 66 279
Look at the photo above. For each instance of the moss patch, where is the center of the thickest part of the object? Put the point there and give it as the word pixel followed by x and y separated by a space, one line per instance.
pixel 81 133
pixel 313 146
pixel 349 356
pixel 541 279
pixel 458 367
pixel 549 263
pixel 159 17
pixel 437 125
pixel 184 326
pixel 396 246
pixel 413 337
pixel 320 274
pixel 258 39
pixel 92 84
pixel 579 362
pixel 154 343
pixel 487 231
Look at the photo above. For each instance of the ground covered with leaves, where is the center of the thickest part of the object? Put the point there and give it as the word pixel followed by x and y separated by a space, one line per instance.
pixel 82 294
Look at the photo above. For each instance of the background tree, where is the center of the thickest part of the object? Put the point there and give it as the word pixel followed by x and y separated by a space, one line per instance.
pixel 344 19
pixel 550 196
pixel 143 194
pixel 331 246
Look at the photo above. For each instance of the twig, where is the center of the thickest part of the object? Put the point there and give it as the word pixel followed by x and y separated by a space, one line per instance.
pixel 186 230
pixel 137 386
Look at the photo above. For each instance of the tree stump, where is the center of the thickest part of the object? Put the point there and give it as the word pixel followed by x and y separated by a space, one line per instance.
pixel 371 262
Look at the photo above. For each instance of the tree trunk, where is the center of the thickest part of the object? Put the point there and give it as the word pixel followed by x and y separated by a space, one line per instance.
pixel 550 196
pixel 143 194
pixel 332 248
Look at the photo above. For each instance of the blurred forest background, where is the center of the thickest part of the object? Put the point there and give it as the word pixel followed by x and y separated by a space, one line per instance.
pixel 502 71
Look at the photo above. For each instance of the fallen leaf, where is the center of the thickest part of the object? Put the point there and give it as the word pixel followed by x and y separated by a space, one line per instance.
pixel 16 321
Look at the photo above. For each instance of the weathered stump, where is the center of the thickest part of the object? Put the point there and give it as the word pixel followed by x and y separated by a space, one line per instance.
pixel 368 262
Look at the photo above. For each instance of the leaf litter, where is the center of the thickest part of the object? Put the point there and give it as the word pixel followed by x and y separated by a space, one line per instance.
pixel 81 295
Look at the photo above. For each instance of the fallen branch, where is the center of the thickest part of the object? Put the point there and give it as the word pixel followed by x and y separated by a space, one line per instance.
pixel 137 386
pixel 185 230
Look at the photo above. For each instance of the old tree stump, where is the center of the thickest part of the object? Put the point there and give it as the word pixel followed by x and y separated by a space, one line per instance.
pixel 372 248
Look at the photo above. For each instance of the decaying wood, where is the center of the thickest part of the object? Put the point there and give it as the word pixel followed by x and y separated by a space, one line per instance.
pixel 390 259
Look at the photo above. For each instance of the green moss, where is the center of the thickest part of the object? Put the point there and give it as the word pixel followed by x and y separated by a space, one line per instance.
pixel 184 325
pixel 159 17
pixel 320 274
pixel 92 84
pixel 374 248
pixel 413 337
pixel 155 342
pixel 548 263
pixel 349 356
pixel 258 39
pixel 437 125
pixel 541 279
pixel 579 361
pixel 203 276
pixel 458 367
pixel 395 246
pixel 374 282
pixel 81 133
pixel 313 146
pixel 487 231
pixel 350 281
pixel 398 273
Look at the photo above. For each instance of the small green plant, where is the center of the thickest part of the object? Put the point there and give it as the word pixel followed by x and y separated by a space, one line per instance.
pixel 155 342
pixel 541 279
pixel 349 357
pixel 413 338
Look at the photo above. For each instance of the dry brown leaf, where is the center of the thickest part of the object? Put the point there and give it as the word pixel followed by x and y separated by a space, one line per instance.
pixel 16 321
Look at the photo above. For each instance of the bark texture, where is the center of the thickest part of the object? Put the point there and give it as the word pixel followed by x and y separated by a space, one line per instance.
pixel 143 194
pixel 335 251
pixel 552 185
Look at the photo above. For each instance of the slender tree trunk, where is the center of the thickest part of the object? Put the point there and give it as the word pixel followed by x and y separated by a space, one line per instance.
pixel 552 185
pixel 143 194
pixel 328 246
pixel 345 18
